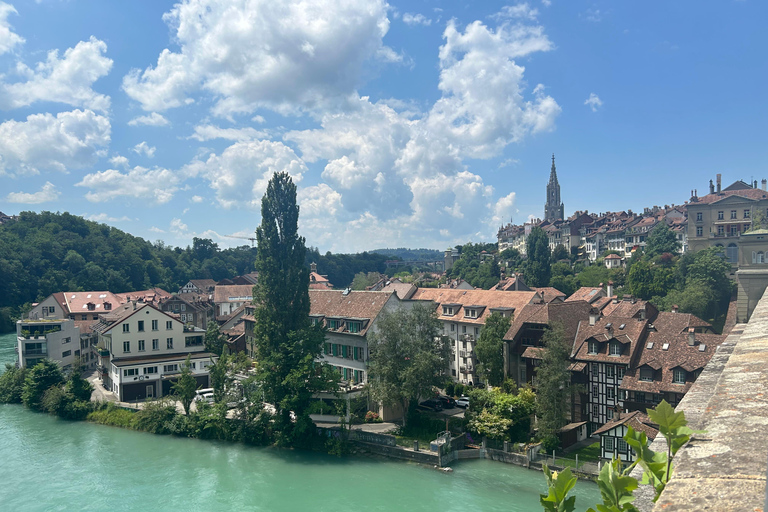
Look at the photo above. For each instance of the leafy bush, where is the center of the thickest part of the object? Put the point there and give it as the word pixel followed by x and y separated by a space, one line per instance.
pixel 42 376
pixel 156 417
pixel 372 417
pixel 450 389
pixel 12 384
pixel 112 415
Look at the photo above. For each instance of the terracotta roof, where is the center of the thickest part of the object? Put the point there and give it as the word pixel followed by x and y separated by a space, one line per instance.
pixel 153 295
pixel 630 336
pixel 314 277
pixel 566 313
pixel 587 293
pixel 533 353
pixel 233 293
pixel 404 291
pixel 631 308
pixel 635 419
pixel 754 194
pixel 613 257
pixel 77 302
pixel 203 284
pixel 109 320
pixel 549 293
pixel 491 299
pixel 352 305
pixel 511 284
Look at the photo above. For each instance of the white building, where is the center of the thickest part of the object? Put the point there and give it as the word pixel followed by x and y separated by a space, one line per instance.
pixel 612 443
pixel 141 350
pixel 57 340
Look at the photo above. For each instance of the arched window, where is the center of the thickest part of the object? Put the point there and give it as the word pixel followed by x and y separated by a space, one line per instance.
pixel 732 253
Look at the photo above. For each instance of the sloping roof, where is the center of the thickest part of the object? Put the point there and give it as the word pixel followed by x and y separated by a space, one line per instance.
pixel 491 299
pixel 355 305
pixel 233 293
pixel 109 320
pixel 153 295
pixel 631 308
pixel 77 302
pixel 632 334
pixel 586 293
pixel 754 194
pixel 513 283
pixel 404 291
pixel 549 293
pixel 566 313
pixel 203 284
pixel 533 353
pixel 314 277
pixel 635 419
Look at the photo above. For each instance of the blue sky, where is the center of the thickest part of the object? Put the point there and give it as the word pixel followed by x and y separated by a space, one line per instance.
pixel 420 124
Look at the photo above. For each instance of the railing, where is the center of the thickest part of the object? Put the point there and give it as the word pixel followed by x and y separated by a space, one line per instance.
pixel 36 353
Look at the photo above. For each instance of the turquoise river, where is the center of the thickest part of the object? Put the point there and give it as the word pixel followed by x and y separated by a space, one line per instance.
pixel 48 464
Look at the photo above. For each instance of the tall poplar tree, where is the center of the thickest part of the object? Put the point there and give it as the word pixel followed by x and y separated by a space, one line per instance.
pixel 490 348
pixel 538 265
pixel 286 343
pixel 553 385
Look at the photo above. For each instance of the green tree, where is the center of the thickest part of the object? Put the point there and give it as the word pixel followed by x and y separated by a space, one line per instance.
pixel 39 378
pixel 553 385
pixel 185 386
pixel 408 356
pixel 220 377
pixel 661 240
pixel 286 344
pixel 511 257
pixel 12 384
pixel 214 339
pixel 500 415
pixel 490 348
pixel 363 280
pixel 537 267
pixel 80 388
pixel 640 280
pixel 560 253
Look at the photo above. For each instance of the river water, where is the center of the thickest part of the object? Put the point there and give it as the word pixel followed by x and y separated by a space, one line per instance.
pixel 47 464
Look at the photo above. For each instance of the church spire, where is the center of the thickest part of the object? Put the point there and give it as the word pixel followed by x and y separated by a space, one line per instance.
pixel 554 208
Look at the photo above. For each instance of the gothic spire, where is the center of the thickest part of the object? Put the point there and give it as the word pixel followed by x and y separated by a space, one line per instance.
pixel 553 208
pixel 553 172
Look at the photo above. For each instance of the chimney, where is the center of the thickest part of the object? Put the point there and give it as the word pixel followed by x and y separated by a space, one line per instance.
pixel 691 337
pixel 711 187
pixel 610 289
pixel 764 184
pixel 593 317
pixel 719 182
pixel 674 308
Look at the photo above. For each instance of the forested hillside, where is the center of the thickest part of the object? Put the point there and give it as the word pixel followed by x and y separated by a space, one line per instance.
pixel 46 252
pixel 404 253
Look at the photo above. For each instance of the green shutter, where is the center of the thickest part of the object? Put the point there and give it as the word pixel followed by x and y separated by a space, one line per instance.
pixel 344 351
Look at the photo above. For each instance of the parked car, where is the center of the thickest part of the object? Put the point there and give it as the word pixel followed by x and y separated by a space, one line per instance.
pixel 204 395
pixel 462 402
pixel 433 404
pixel 448 402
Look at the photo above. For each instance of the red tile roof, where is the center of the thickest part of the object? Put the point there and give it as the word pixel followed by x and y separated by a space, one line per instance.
pixel 490 299
pixel 636 419
pixel 586 293
pixel 353 305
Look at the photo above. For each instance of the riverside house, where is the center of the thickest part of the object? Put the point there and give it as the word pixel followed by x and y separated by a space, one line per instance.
pixel 141 350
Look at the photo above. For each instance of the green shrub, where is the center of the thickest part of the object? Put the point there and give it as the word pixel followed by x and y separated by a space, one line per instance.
pixel 42 376
pixel 156 417
pixel 450 389
pixel 12 384
pixel 112 415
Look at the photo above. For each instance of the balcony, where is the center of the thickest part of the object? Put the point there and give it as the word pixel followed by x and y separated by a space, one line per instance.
pixel 103 352
pixel 39 353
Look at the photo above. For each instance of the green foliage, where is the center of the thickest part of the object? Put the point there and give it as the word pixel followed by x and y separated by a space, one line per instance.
pixel 38 379
pixel 214 339
pixel 560 253
pixel 363 280
pixel 403 253
pixel 341 268
pixel 479 272
pixel 661 240
pixel 62 403
pixel 12 384
pixel 511 258
pixel 185 386
pixel 450 388
pixel 499 415
pixel 558 486
pixel 221 379
pixel 490 348
pixel 537 267
pixel 616 489
pixel 111 415
pixel 156 417
pixel 285 342
pixel 80 388
pixel 408 356
pixel 553 383
pixel 593 275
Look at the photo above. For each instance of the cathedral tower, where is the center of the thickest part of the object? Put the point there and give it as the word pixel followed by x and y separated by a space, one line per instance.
pixel 553 209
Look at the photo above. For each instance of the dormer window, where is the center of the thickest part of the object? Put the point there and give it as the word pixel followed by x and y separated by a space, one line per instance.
pixel 615 348
pixel 470 313
pixel 354 327
pixel 593 347
pixel 91 306
pixel 646 374
pixel 448 310
pixel 334 324
pixel 678 376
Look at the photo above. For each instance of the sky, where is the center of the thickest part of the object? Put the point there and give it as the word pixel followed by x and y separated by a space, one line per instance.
pixel 421 123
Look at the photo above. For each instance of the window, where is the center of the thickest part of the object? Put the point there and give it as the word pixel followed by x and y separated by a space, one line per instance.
pixel 620 372
pixel 615 347
pixel 327 349
pixel 646 374
pixel 353 327
pixel 142 348
pixel 141 325
pixel 183 307
pixel 608 443
pixel 83 317
pixel 595 410
pixel 194 365
pixel 746 214
pixel 183 317
pixel 453 327
pixel 746 227
pixel 623 446
pixel 720 230
pixel 170 368
pixel 610 393
pixel 594 389
pixel 64 341
pixel 447 310
pixel 154 325
pixel 609 371
pixel 169 343
pixel 758 257
pixel 639 397
pixel 595 369
pixel 155 344
pixel 150 369
pixel 126 328
pixel 130 372
pixel 720 215
pixel 610 414
pixel 126 346
pixel 699 217
pixel 732 253
pixel 733 214
pixel 678 376
pixel 169 325
pixel 66 353
pixel 699 231
pixel 477 331
pixel 334 324
pixel 464 329
pixel 592 347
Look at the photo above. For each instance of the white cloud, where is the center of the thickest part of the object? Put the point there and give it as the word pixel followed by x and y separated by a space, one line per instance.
pixel 208 132
pixel 67 80
pixel 593 14
pixel 523 11
pixel 241 173
pixel 287 55
pixel 509 162
pixel 119 160
pixel 546 3
pixel 503 209
pixel 155 229
pixel 69 140
pixel 154 119
pixel 104 217
pixel 144 148
pixel 594 102
pixel 46 194
pixel 403 175
pixel 416 19
pixel 196 199
pixel 157 185
pixel 8 39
